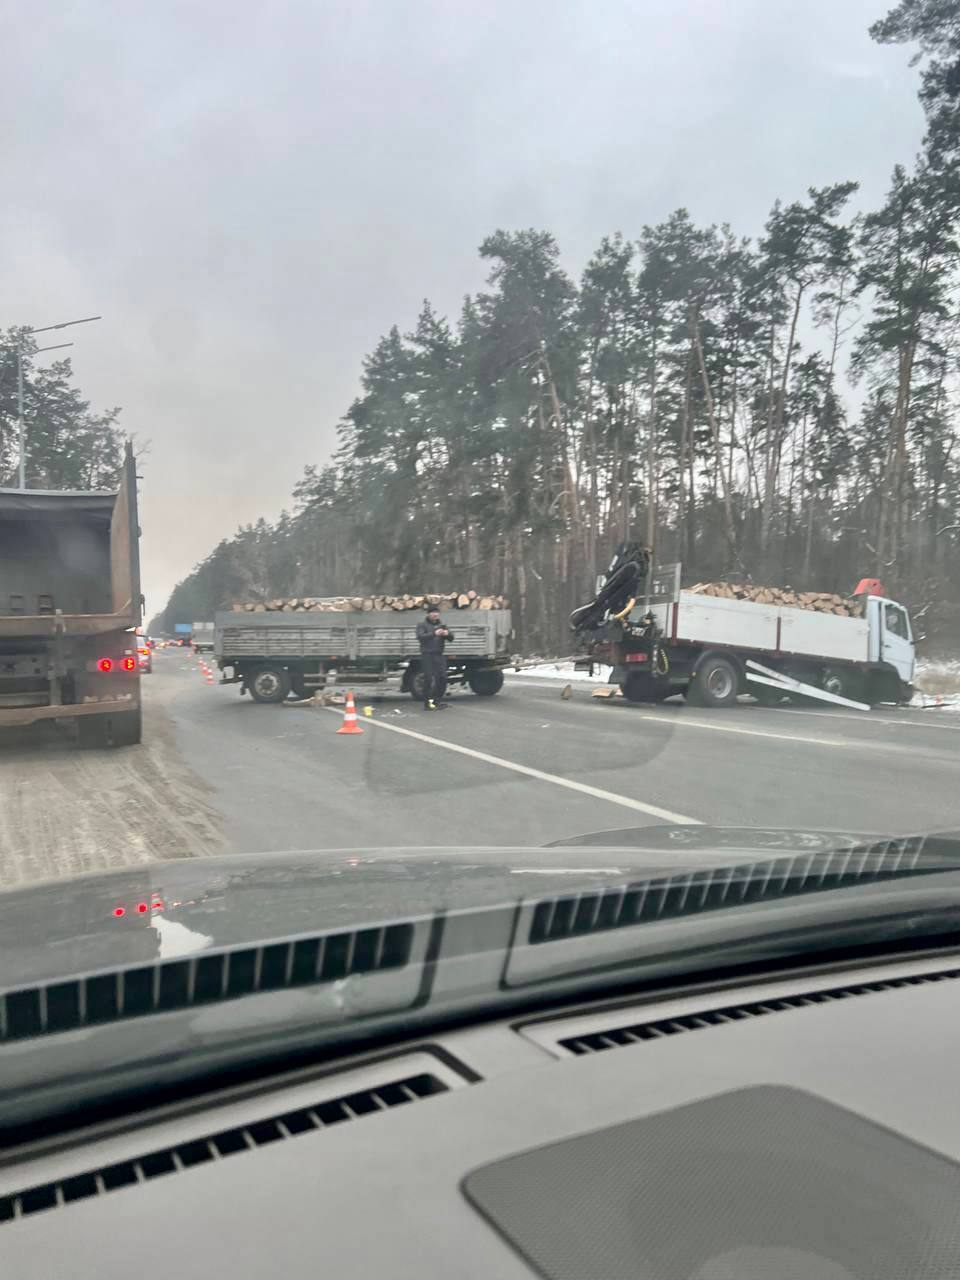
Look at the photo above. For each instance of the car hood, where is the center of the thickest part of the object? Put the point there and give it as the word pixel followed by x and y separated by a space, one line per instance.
pixel 166 910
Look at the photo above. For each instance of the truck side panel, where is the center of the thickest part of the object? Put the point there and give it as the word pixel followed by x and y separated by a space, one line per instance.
pixel 762 628
pixel 477 633
pixel 823 635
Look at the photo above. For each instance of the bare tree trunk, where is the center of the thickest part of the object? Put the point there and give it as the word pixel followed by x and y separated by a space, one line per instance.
pixel 729 526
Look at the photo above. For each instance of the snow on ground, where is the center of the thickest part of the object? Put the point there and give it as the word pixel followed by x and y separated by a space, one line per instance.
pixel 937 681
pixel 563 671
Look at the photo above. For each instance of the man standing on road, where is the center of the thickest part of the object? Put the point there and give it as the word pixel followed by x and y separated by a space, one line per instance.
pixel 433 635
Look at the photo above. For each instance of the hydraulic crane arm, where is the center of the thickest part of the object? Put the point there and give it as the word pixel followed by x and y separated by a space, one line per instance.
pixel 625 577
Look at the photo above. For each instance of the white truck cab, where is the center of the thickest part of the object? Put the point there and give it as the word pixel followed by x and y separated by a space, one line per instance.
pixel 891 636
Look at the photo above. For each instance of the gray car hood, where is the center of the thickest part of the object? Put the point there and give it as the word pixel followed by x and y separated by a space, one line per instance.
pixel 165 910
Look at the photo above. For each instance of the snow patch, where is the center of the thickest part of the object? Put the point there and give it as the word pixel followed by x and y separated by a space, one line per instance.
pixel 564 671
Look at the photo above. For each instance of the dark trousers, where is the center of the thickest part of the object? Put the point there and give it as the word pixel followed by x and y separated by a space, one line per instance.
pixel 434 676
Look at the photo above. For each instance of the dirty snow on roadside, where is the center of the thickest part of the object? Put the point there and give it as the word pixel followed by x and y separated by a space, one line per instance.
pixel 937 681
pixel 561 671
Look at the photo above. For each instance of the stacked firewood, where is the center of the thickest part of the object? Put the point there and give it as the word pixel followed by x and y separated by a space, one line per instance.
pixel 818 601
pixel 445 600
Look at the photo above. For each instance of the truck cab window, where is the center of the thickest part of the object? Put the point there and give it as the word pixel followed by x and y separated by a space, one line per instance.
pixel 894 621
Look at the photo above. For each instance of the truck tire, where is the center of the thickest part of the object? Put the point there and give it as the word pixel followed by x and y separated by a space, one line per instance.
pixel 414 683
pixel 845 684
pixel 485 683
pixel 716 683
pixel 269 684
pixel 641 687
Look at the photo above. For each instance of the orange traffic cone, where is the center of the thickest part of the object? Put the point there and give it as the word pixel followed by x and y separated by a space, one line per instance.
pixel 350 717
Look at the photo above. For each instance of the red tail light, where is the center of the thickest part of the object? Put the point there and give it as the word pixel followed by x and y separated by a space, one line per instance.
pixel 105 665
pixel 635 657
pixel 129 664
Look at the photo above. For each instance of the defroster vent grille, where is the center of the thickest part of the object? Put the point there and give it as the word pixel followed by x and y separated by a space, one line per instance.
pixel 204 979
pixel 216 1146
pixel 636 1032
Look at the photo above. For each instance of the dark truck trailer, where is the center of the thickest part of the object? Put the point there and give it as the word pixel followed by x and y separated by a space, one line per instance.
pixel 275 654
pixel 69 606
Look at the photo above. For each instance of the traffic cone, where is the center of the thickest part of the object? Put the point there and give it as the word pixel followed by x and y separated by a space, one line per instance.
pixel 350 718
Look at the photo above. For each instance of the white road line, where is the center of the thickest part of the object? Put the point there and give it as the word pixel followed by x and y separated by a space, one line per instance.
pixel 683 722
pixel 550 681
pixel 611 797
pixel 869 719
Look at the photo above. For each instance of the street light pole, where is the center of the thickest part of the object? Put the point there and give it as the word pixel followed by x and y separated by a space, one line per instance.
pixel 21 434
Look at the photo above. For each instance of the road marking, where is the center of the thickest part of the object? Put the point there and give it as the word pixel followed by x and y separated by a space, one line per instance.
pixel 627 802
pixel 930 723
pixel 548 682
pixel 846 744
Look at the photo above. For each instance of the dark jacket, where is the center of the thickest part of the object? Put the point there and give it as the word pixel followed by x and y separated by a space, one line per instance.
pixel 430 642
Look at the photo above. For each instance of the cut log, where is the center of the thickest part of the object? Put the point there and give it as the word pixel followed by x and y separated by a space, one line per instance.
pixel 259 608
pixel 463 601
pixel 486 602
pixel 471 595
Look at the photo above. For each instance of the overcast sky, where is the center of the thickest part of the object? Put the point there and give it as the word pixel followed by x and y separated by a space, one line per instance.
pixel 251 194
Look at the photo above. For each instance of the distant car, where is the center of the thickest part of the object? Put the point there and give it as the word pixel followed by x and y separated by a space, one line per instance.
pixel 145 658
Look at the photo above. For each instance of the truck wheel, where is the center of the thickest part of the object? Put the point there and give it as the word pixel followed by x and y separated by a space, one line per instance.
pixel 845 684
pixel 297 686
pixel 485 683
pixel 415 684
pixel 641 687
pixel 716 683
pixel 269 684
pixel 765 695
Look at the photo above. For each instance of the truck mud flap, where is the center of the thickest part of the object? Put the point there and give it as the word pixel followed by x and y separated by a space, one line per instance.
pixel 777 680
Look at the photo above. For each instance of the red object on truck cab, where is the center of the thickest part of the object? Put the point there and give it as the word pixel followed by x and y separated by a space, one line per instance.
pixel 869 587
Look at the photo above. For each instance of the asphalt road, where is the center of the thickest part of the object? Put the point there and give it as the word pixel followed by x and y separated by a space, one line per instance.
pixel 218 772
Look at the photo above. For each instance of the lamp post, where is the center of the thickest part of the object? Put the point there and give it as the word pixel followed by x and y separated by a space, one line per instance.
pixel 20 425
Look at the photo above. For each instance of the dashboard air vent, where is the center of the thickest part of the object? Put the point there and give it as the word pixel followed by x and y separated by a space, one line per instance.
pixel 204 979
pixel 634 1033
pixel 216 1146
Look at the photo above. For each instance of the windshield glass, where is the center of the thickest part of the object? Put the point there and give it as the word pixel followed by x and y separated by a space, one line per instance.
pixel 471 453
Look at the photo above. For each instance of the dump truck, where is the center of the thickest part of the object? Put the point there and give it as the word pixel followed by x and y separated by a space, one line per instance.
pixel 271 655
pixel 661 640
pixel 70 604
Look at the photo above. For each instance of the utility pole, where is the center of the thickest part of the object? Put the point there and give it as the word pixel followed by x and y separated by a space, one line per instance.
pixel 21 433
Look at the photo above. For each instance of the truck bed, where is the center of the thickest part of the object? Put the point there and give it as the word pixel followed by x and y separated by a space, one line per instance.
pixel 741 624
pixel 478 633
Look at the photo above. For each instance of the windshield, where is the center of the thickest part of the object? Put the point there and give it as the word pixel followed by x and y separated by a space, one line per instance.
pixel 474 453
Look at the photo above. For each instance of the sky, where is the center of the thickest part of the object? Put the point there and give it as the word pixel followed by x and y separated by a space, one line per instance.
pixel 250 195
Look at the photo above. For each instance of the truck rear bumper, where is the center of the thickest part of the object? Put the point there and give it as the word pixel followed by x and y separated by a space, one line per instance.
pixel 28 715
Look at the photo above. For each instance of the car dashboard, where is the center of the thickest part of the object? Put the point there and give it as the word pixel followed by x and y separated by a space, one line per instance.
pixel 802 1125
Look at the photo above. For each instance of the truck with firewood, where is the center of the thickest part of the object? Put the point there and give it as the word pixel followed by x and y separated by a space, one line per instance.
pixel 312 646
pixel 70 605
pixel 713 642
